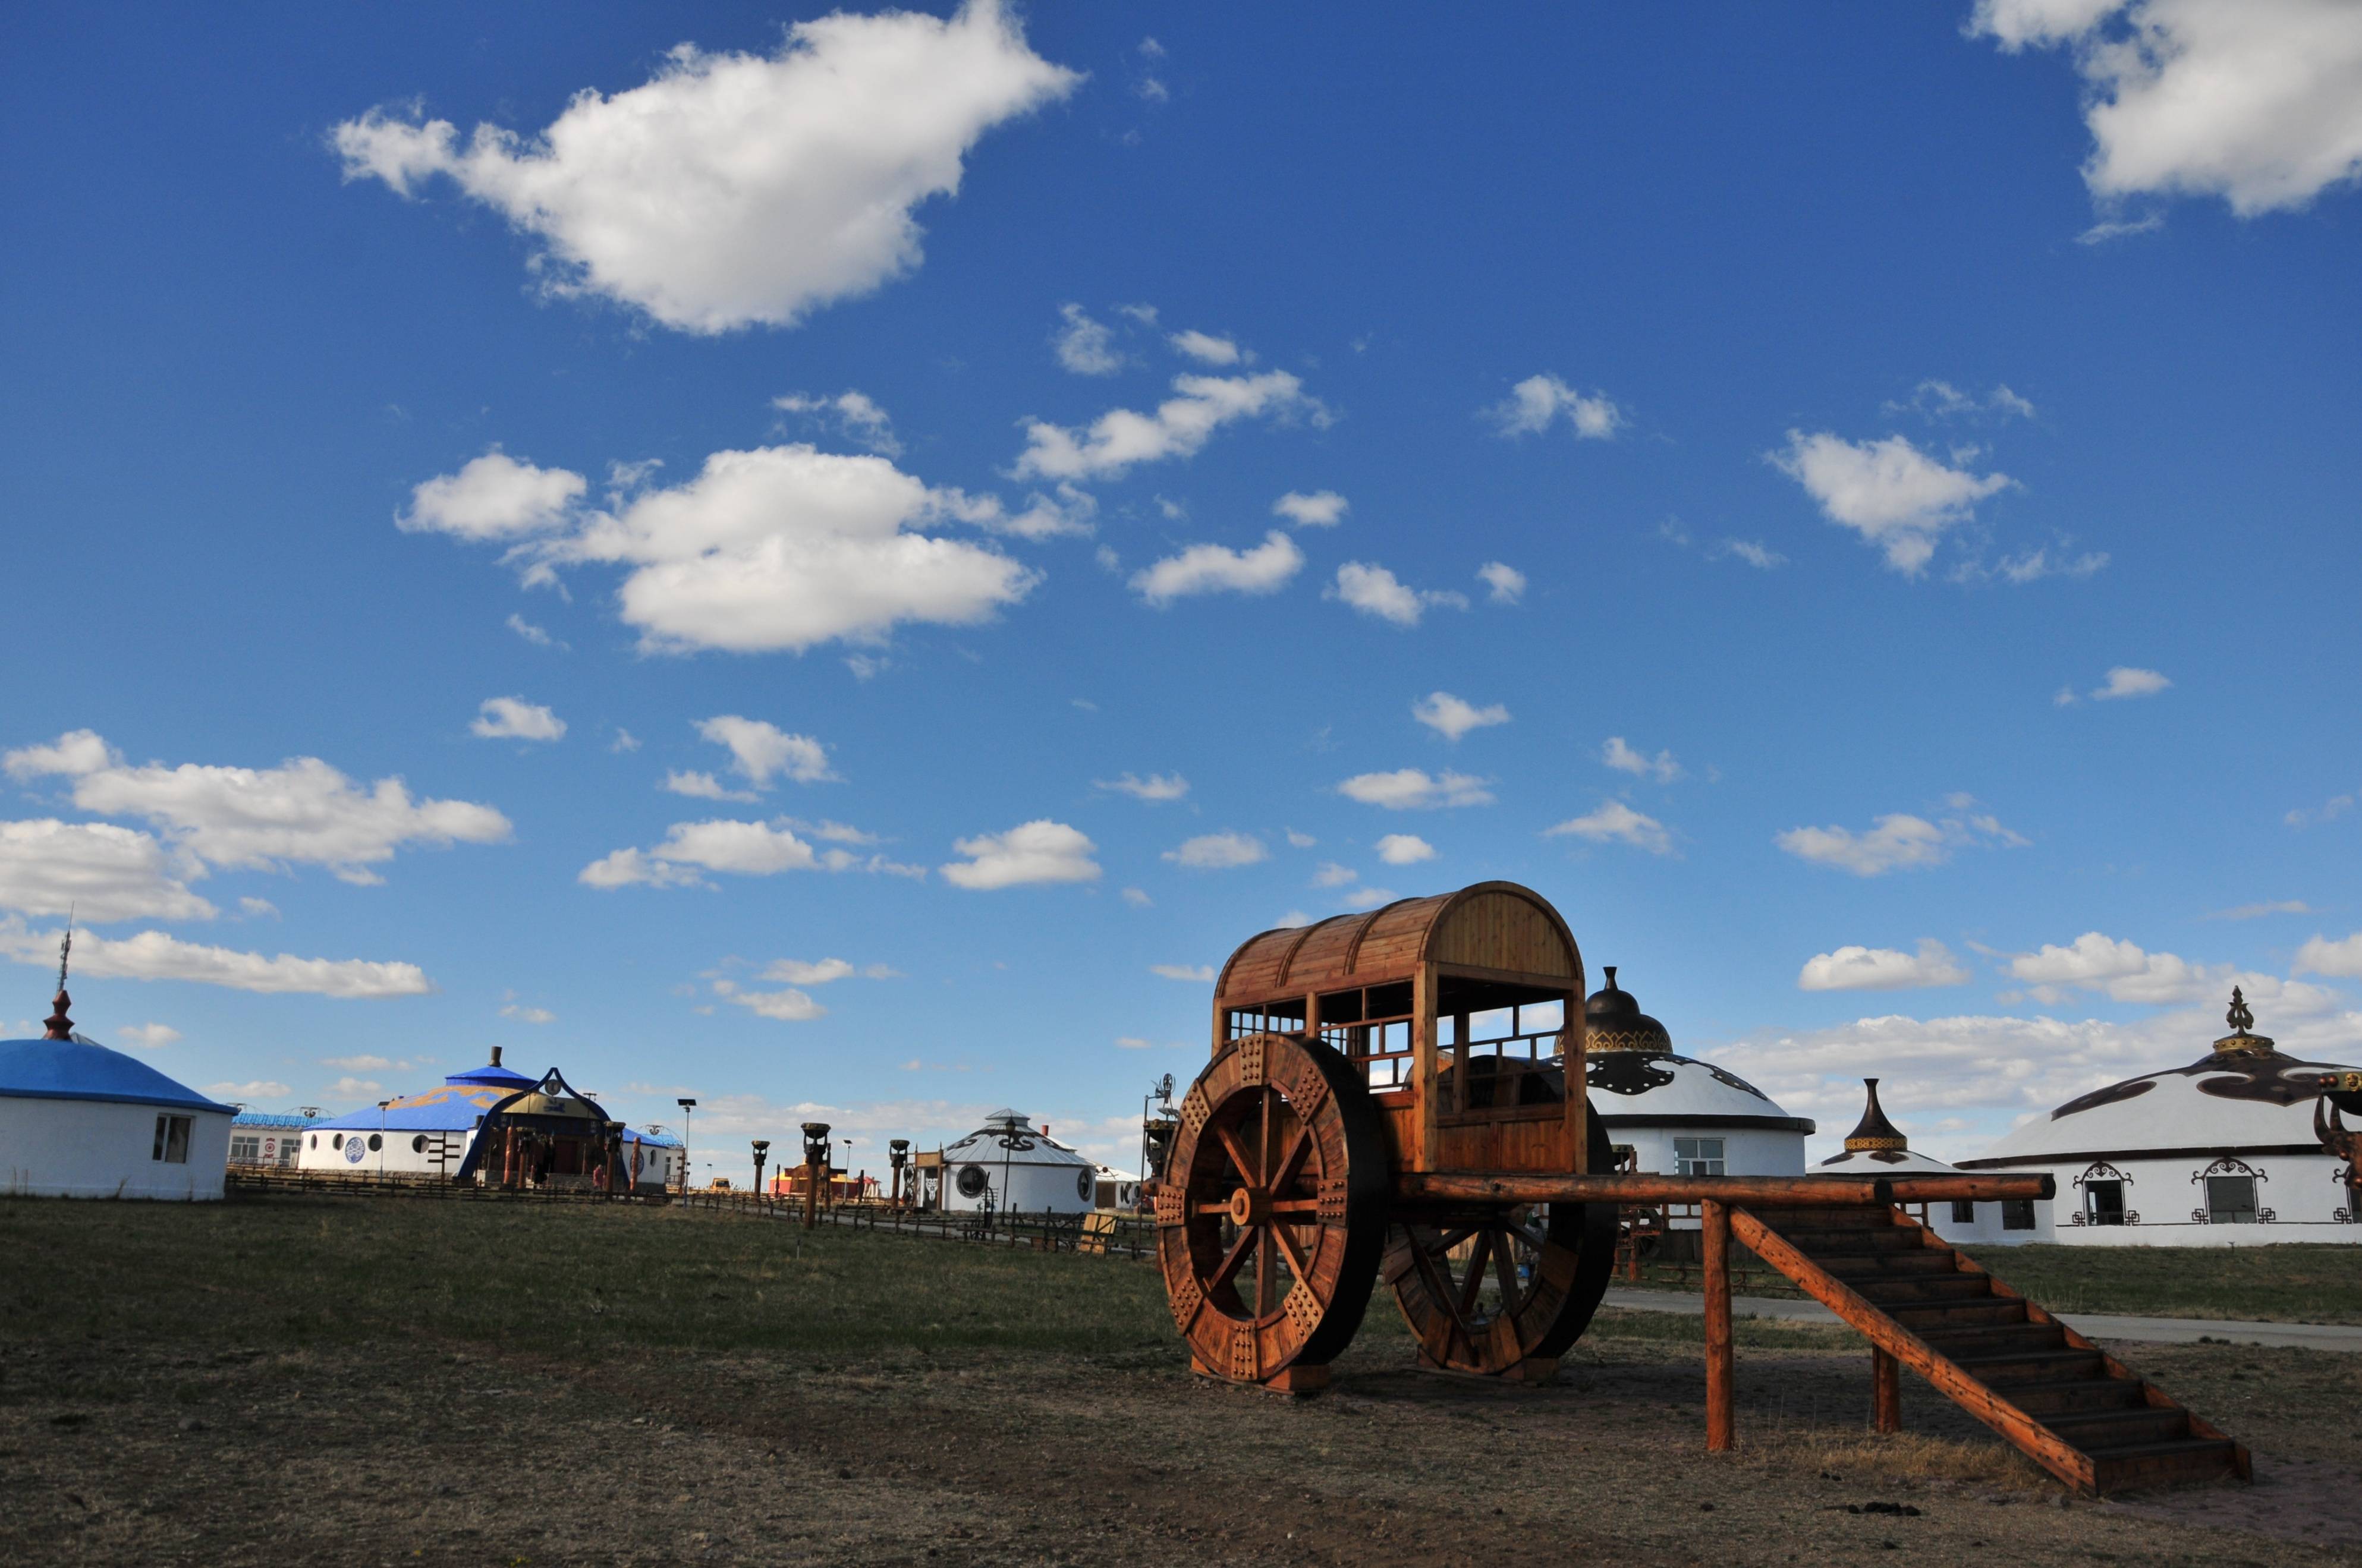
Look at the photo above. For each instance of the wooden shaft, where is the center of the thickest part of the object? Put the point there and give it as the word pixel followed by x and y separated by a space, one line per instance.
pixel 1925 1190
pixel 1885 1391
pixel 812 1195
pixel 1719 1420
pixel 1615 1187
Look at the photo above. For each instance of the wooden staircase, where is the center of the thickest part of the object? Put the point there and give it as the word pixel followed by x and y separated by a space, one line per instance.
pixel 2073 1409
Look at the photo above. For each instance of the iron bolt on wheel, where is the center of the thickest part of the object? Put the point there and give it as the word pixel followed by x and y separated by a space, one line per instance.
pixel 1495 1287
pixel 1271 1216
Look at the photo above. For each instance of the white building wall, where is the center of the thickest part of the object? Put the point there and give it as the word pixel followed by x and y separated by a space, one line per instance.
pixel 81 1148
pixel 329 1150
pixel 1747 1150
pixel 1061 1189
pixel 2302 1192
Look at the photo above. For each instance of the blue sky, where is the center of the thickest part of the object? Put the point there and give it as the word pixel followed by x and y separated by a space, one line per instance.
pixel 1862 497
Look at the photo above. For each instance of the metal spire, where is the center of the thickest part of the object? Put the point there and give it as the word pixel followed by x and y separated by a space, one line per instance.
pixel 57 1026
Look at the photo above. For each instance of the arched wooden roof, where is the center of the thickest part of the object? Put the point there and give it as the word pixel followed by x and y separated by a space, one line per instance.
pixel 1492 925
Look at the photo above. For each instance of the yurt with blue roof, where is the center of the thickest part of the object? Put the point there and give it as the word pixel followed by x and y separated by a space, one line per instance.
pixel 80 1120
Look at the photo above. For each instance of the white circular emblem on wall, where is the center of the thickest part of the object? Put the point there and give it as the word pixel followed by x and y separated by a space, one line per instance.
pixel 355 1147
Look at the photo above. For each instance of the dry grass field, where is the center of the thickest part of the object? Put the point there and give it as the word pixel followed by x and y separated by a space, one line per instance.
pixel 344 1381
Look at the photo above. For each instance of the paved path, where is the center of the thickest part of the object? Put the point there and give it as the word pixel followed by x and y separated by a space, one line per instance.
pixel 2098 1326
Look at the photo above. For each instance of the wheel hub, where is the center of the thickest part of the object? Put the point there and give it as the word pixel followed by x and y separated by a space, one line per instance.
pixel 1250 1207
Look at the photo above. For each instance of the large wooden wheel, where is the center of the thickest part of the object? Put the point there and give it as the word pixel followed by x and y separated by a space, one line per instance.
pixel 1271 1214
pixel 1500 1290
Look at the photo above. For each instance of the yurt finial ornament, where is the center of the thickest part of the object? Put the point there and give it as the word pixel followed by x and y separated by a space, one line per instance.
pixel 57 1026
pixel 2241 1018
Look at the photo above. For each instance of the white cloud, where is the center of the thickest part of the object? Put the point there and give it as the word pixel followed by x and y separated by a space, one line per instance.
pixel 625 741
pixel 1624 759
pixel 733 188
pixel 796 972
pixel 1205 349
pixel 148 1036
pixel 1300 840
pixel 782 547
pixel 760 750
pixel 1758 556
pixel 1084 346
pixel 538 636
pixel 153 955
pixel 856 414
pixel 1321 509
pixel 1615 823
pixel 1897 842
pixel 1535 403
pixel 1155 788
pixel 360 1063
pixel 739 848
pixel 2257 101
pixel 1857 969
pixel 536 1015
pixel 2125 680
pixel 96 870
pixel 2033 566
pixel 353 1088
pixel 513 718
pixel 1410 789
pixel 1181 425
pixel 2254 911
pixel 1404 849
pixel 1203 974
pixel 1895 496
pixel 1507 582
pixel 1137 899
pixel 249 1092
pixel 255 909
pixel 300 812
pixel 1216 569
pixel 1039 851
pixel 2328 811
pixel 2121 970
pixel 1331 875
pixel 786 1006
pixel 1366 898
pixel 493 497
pixel 1374 591
pixel 1218 851
pixel 1068 513
pixel 2320 955
pixel 1450 717
pixel 700 786
pixel 1942 399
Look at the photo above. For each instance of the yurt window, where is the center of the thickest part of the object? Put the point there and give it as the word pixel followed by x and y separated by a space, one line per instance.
pixel 2103 1202
pixel 2017 1214
pixel 1697 1156
pixel 1964 1213
pixel 2231 1199
pixel 418 1145
pixel 172 1139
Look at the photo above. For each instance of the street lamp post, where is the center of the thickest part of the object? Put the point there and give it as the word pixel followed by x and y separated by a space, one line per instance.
pixel 380 1137
pixel 686 1107
pixel 762 1152
pixel 848 1166
pixel 898 1154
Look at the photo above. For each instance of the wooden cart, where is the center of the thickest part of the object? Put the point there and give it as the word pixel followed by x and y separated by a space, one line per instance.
pixel 1430 1037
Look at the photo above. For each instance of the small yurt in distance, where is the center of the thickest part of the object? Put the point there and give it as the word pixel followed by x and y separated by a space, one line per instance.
pixel 1680 1116
pixel 80 1120
pixel 1009 1165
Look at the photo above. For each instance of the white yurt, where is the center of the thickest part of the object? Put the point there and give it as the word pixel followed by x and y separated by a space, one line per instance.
pixel 80 1120
pixel 1878 1147
pixel 1009 1165
pixel 2221 1153
pixel 1681 1117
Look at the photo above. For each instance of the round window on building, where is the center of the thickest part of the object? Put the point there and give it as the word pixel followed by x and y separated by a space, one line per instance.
pixel 377 1142
pixel 972 1181
pixel 418 1145
pixel 1083 1186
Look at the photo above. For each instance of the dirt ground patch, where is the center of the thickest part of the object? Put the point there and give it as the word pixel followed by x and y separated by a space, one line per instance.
pixel 121 1444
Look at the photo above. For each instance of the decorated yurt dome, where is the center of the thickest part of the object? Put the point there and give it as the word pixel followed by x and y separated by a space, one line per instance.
pixel 1679 1115
pixel 2225 1150
pixel 1877 1147
pixel 1009 1164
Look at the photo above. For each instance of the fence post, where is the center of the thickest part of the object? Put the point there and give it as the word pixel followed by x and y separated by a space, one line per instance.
pixel 1719 1413
pixel 1885 1391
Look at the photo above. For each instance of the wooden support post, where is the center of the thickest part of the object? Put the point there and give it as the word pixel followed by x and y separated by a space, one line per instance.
pixel 1885 1392
pixel 811 1193
pixel 1719 1420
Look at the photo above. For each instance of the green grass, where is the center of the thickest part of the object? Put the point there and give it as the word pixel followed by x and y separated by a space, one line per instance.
pixel 2297 1282
pixel 580 1281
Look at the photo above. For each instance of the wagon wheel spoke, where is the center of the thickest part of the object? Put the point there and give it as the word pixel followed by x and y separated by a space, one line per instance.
pixel 1473 1281
pixel 1264 1234
pixel 1266 1103
pixel 1439 1286
pixel 1291 1164
pixel 1528 1235
pixel 1228 1268
pixel 1504 1269
pixel 1447 1240
pixel 1295 1258
pixel 1238 1156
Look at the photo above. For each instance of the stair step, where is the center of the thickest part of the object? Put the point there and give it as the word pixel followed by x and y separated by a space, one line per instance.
pixel 2164 1463
pixel 2095 1431
pixel 1847 1265
pixel 1999 1339
pixel 1935 1317
pixel 2004 1371
pixel 2071 1396
pixel 1896 1290
pixel 1784 1219
pixel 1814 1240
